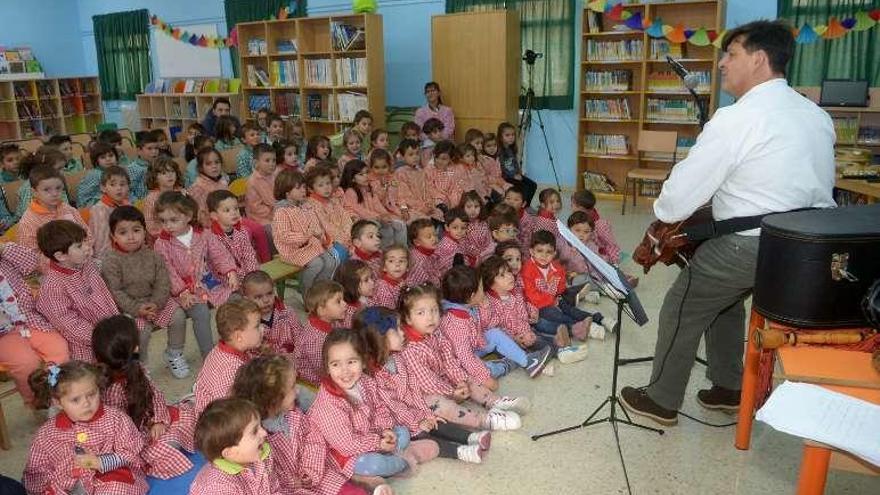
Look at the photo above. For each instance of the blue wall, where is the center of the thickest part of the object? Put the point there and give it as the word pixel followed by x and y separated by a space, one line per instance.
pixel 45 26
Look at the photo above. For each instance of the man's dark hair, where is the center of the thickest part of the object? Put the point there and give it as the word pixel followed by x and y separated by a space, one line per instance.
pixel 774 37
pixel 220 100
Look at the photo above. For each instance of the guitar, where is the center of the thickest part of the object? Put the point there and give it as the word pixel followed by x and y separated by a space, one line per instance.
pixel 672 242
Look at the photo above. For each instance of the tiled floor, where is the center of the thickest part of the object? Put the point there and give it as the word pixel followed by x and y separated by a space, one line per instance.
pixel 688 459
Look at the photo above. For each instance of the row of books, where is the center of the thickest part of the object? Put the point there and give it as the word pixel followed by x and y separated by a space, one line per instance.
pixel 18 60
pixel 674 110
pixel 287 104
pixel 608 80
pixel 660 48
pixel 256 46
pixel 342 106
pixel 188 111
pixel 606 144
pixel 28 110
pixel 609 51
pixel 351 71
pixel 256 102
pixel 347 37
pixel 869 135
pixel 317 72
pixel 610 109
pixel 682 147
pixel 73 87
pixel 190 86
pixel 670 82
pixel 284 73
pixel 257 77
pixel 846 128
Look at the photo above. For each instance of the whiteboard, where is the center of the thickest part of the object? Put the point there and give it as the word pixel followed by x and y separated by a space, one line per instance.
pixel 180 59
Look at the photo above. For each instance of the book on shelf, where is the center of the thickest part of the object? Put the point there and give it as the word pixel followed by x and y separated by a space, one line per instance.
pixel 614 51
pixel 683 146
pixel 256 46
pixel 256 102
pixel 257 77
pixel 608 80
pixel 287 104
pixel 869 135
pixel 347 37
pixel 318 72
pixel 660 48
pixel 846 128
pixel 351 71
pixel 192 109
pixel 670 82
pixel 348 104
pixel 606 144
pixel 607 109
pixel 672 110
pixel 284 73
pixel 189 86
pixel 287 46
pixel 315 103
pixel 594 21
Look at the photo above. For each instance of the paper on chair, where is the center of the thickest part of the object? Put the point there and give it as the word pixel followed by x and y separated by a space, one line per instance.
pixel 814 412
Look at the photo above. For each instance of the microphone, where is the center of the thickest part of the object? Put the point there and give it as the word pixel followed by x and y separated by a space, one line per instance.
pixel 690 81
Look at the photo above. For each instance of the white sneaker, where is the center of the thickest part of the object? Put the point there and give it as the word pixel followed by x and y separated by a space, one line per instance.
pixel 571 354
pixel 177 364
pixel 498 420
pixel 549 370
pixel 609 323
pixel 470 453
pixel 597 331
pixel 482 439
pixel 519 405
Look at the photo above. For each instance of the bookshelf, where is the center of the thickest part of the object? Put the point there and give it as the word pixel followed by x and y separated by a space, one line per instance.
pixel 855 126
pixel 627 86
pixel 321 70
pixel 42 107
pixel 179 110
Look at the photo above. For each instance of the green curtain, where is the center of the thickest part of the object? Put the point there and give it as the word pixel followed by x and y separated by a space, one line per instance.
pixel 546 26
pixel 122 40
pixel 256 10
pixel 853 56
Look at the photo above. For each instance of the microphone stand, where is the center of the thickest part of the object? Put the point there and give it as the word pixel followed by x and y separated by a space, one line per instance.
pixel 701 108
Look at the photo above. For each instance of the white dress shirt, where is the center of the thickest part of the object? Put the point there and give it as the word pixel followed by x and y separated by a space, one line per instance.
pixel 772 150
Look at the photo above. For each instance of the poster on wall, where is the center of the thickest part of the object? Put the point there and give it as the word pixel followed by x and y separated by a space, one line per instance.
pixel 178 59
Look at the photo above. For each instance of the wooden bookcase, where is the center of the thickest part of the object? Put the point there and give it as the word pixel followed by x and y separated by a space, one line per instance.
pixel 266 46
pixel 42 107
pixel 850 123
pixel 486 91
pixel 650 85
pixel 179 109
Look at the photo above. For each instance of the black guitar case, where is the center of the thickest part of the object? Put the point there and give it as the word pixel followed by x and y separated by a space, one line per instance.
pixel 814 267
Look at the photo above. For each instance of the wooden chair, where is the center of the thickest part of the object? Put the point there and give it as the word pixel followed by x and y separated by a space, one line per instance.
pixel 230 159
pixel 10 194
pixel 238 187
pixel 11 234
pixel 127 134
pixel 72 181
pixel 6 390
pixel 280 272
pixel 82 139
pixel 30 145
pixel 650 142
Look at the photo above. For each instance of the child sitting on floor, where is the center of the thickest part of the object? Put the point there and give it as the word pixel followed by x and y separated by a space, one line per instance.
pixel 138 279
pixel 194 259
pixel 317 150
pixel 395 263
pixel 230 437
pixel 358 288
pixel 300 460
pixel 129 388
pixel 298 233
pixel 422 261
pixel 451 250
pixel 367 244
pixel 325 306
pixel 114 193
pixel 478 236
pixel 280 324
pixel 163 175
pixel 238 325
pixel 88 447
pixel 73 296
pixel 332 216
pixel 227 229
pixel 609 250
pixel 414 196
pixel 352 142
pixel 361 203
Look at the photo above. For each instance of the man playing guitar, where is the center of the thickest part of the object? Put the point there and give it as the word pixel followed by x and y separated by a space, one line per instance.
pixel 771 151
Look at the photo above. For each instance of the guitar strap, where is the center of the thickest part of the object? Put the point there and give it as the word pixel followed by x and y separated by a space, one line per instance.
pixel 708 230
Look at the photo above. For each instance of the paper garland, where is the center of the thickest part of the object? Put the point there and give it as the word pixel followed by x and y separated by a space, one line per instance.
pixel 835 29
pixel 206 41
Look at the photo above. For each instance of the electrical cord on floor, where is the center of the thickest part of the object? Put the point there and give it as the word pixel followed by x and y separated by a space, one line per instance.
pixel 706 423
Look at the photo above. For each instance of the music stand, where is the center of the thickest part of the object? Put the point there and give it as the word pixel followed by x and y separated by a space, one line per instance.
pixel 613 284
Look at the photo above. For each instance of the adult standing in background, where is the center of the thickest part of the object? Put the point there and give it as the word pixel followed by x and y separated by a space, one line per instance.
pixel 220 108
pixel 435 109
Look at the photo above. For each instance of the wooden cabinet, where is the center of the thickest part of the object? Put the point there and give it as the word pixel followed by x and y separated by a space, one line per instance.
pixel 42 107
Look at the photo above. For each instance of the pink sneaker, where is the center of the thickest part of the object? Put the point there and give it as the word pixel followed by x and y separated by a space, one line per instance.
pixel 581 329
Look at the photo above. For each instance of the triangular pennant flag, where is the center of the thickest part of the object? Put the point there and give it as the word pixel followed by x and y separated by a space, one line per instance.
pixel 688 33
pixel 175 33
pixel 656 29
pixel 615 12
pixel 626 15
pixel 184 35
pixel 795 32
pixel 597 6
pixel 676 35
pixel 820 29
pixel 848 23
pixel 233 37
pixel 835 30
pixel 875 14
pixel 712 34
pixel 203 41
pixel 646 22
pixel 719 39
pixel 193 40
pixel 635 21
pixel 806 35
pixel 863 22
pixel 699 38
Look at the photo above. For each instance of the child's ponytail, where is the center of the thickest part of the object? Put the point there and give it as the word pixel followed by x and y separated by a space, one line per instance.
pixel 372 323
pixel 114 341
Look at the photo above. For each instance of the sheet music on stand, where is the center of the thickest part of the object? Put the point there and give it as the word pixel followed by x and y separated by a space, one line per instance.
pixel 611 274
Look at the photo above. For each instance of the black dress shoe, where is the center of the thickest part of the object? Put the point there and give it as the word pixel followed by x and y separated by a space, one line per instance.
pixel 636 401
pixel 719 398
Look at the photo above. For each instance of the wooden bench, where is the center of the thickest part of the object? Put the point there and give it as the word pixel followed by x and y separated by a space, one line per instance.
pixel 280 272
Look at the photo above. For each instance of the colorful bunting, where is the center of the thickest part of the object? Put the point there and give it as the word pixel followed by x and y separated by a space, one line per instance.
pixel 187 37
pixel 700 36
